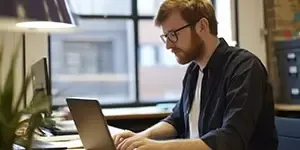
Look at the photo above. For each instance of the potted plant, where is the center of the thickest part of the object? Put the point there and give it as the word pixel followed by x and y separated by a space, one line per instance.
pixel 11 109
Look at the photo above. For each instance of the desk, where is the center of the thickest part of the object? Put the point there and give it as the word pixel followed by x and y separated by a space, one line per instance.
pixel 287 110
pixel 150 112
pixel 135 113
pixel 65 141
pixel 287 107
pixel 143 117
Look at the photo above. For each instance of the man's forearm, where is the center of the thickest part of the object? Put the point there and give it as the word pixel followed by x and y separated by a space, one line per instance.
pixel 161 130
pixel 190 144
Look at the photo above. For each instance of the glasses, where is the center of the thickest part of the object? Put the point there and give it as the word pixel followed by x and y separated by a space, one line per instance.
pixel 172 35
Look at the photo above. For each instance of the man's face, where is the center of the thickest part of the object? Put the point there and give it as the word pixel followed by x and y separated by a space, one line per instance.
pixel 182 39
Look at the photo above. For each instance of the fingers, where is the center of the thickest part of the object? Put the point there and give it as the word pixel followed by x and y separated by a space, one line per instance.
pixel 120 146
pixel 135 145
pixel 130 143
pixel 119 141
pixel 118 138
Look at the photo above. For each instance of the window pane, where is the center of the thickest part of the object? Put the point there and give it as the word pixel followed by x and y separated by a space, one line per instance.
pixel 148 7
pixel 226 21
pixel 97 61
pixel 101 7
pixel 160 76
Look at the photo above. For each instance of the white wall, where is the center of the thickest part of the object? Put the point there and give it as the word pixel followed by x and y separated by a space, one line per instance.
pixel 36 47
pixel 251 22
pixel 10 40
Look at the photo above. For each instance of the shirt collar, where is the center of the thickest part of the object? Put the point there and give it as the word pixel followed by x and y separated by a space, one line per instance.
pixel 215 59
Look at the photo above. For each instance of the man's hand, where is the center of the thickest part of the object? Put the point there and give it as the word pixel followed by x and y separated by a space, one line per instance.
pixel 118 138
pixel 128 140
pixel 141 140
pixel 139 143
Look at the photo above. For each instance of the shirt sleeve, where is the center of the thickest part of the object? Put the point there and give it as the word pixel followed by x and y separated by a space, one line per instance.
pixel 176 120
pixel 244 99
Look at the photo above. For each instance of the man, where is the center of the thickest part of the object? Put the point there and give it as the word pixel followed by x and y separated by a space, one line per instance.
pixel 226 102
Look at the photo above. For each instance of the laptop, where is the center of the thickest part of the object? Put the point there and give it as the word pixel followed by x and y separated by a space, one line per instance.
pixel 91 124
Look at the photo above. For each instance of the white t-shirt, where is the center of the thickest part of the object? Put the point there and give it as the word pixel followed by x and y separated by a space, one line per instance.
pixel 195 109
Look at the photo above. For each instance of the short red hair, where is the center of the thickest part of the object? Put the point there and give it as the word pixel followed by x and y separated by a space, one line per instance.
pixel 191 11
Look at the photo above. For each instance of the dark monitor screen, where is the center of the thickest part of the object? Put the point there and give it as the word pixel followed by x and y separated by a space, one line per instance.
pixel 40 77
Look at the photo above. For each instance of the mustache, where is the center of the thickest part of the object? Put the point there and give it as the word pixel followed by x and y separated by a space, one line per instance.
pixel 173 50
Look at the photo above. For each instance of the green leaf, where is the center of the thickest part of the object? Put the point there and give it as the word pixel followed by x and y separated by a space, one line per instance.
pixel 7 95
pixel 3 127
pixel 22 122
pixel 21 95
pixel 39 104
pixel 48 122
pixel 15 120
pixel 35 121
pixel 1 57
pixel 10 114
pixel 7 131
pixel 21 141
pixel 3 120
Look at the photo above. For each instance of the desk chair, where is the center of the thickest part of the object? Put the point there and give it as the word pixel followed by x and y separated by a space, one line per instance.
pixel 288 130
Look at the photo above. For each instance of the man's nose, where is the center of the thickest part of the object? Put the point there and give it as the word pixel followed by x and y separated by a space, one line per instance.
pixel 169 44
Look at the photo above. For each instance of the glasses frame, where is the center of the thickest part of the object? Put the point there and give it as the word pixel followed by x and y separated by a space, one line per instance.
pixel 174 32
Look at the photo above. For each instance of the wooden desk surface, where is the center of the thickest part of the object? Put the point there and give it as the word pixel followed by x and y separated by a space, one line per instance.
pixel 71 141
pixel 135 113
pixel 124 113
pixel 287 107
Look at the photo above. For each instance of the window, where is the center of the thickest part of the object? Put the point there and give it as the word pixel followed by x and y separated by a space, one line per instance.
pixel 117 55
pixel 226 20
pixel 97 57
pixel 95 62
pixel 148 7
pixel 161 79
pixel 148 55
pixel 101 7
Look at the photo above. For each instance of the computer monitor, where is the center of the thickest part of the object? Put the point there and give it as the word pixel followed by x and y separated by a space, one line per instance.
pixel 40 77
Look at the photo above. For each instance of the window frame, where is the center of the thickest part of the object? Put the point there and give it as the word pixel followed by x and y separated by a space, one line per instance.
pixel 135 17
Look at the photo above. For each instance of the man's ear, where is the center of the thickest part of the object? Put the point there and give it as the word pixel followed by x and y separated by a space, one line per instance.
pixel 202 25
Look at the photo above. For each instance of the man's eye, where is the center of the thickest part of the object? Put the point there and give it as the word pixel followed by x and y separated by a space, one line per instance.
pixel 172 34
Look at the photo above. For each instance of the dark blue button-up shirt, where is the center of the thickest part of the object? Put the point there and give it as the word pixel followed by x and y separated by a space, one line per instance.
pixel 237 107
